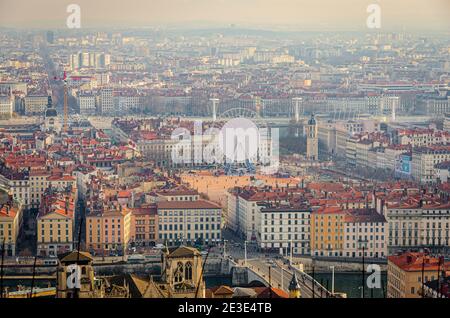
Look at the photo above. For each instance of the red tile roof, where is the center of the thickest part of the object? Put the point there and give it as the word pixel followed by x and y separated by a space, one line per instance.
pixel 200 204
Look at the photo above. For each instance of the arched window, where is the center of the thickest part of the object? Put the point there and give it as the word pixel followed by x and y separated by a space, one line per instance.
pixel 178 275
pixel 188 271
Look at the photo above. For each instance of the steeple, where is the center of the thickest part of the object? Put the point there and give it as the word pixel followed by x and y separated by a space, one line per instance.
pixel 51 122
pixel 312 120
pixel 312 141
pixel 294 287
pixel 50 111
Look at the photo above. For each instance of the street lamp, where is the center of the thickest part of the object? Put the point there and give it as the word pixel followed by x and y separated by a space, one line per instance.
pixel 362 245
pixel 362 291
pixel 282 284
pixel 332 280
pixel 224 248
pixel 245 252
pixel 291 251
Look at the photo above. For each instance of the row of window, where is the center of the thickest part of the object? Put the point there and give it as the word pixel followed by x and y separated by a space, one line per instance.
pixel 289 222
pixel 51 232
pixel 281 237
pixel 349 254
pixel 188 212
pixel 287 216
pixel 281 230
pixel 416 225
pixel 188 219
pixel 204 236
pixel 179 227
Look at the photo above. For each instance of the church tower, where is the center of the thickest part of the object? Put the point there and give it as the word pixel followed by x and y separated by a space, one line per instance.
pixel 75 277
pixel 294 287
pixel 182 273
pixel 312 141
pixel 50 117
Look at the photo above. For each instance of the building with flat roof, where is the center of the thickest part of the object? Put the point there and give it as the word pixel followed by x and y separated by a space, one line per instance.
pixel 189 221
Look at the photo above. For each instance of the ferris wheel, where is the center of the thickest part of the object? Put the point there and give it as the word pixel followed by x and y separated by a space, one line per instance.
pixel 238 112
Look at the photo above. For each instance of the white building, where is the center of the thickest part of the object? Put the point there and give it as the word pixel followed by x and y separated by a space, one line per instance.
pixel 18 185
pixel 192 221
pixel 106 101
pixel 422 137
pixel 365 229
pixel 6 106
pixel 284 228
pixel 35 105
pixel 86 103
pixel 89 60
pixel 126 103
pixel 424 160
pixel 418 225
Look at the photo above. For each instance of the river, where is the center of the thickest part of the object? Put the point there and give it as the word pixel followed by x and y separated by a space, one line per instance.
pixel 350 283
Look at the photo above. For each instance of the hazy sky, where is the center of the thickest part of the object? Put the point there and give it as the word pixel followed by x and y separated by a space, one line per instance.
pixel 307 14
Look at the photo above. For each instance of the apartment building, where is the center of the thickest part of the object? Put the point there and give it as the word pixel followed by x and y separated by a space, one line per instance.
pixel 144 226
pixel 285 228
pixel 86 103
pixel 421 137
pixel 437 106
pixel 178 194
pixel 17 183
pixel 106 101
pixel 362 149
pixel 38 185
pixel 247 213
pixel 365 231
pixel 327 232
pixel 424 160
pixel 29 187
pixel 350 150
pixel 391 154
pixel 157 149
pixel 6 106
pixel 418 224
pixel 189 221
pixel 108 230
pixel 11 216
pixel 126 103
pixel 55 223
pixel 408 271
pixel 35 104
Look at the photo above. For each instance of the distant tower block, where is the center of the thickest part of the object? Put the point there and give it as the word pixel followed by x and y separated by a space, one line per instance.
pixel 215 103
pixel 298 106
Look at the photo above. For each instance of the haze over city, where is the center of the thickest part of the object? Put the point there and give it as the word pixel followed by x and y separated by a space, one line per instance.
pixel 288 14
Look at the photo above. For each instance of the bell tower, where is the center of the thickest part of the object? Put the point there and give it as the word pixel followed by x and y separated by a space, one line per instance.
pixel 312 141
pixel 182 272
pixel 75 277
pixel 50 117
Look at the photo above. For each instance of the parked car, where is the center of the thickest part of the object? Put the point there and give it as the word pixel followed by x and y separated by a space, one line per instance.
pixel 50 262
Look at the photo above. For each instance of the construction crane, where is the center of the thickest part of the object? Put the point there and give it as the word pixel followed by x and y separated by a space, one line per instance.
pixel 66 106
